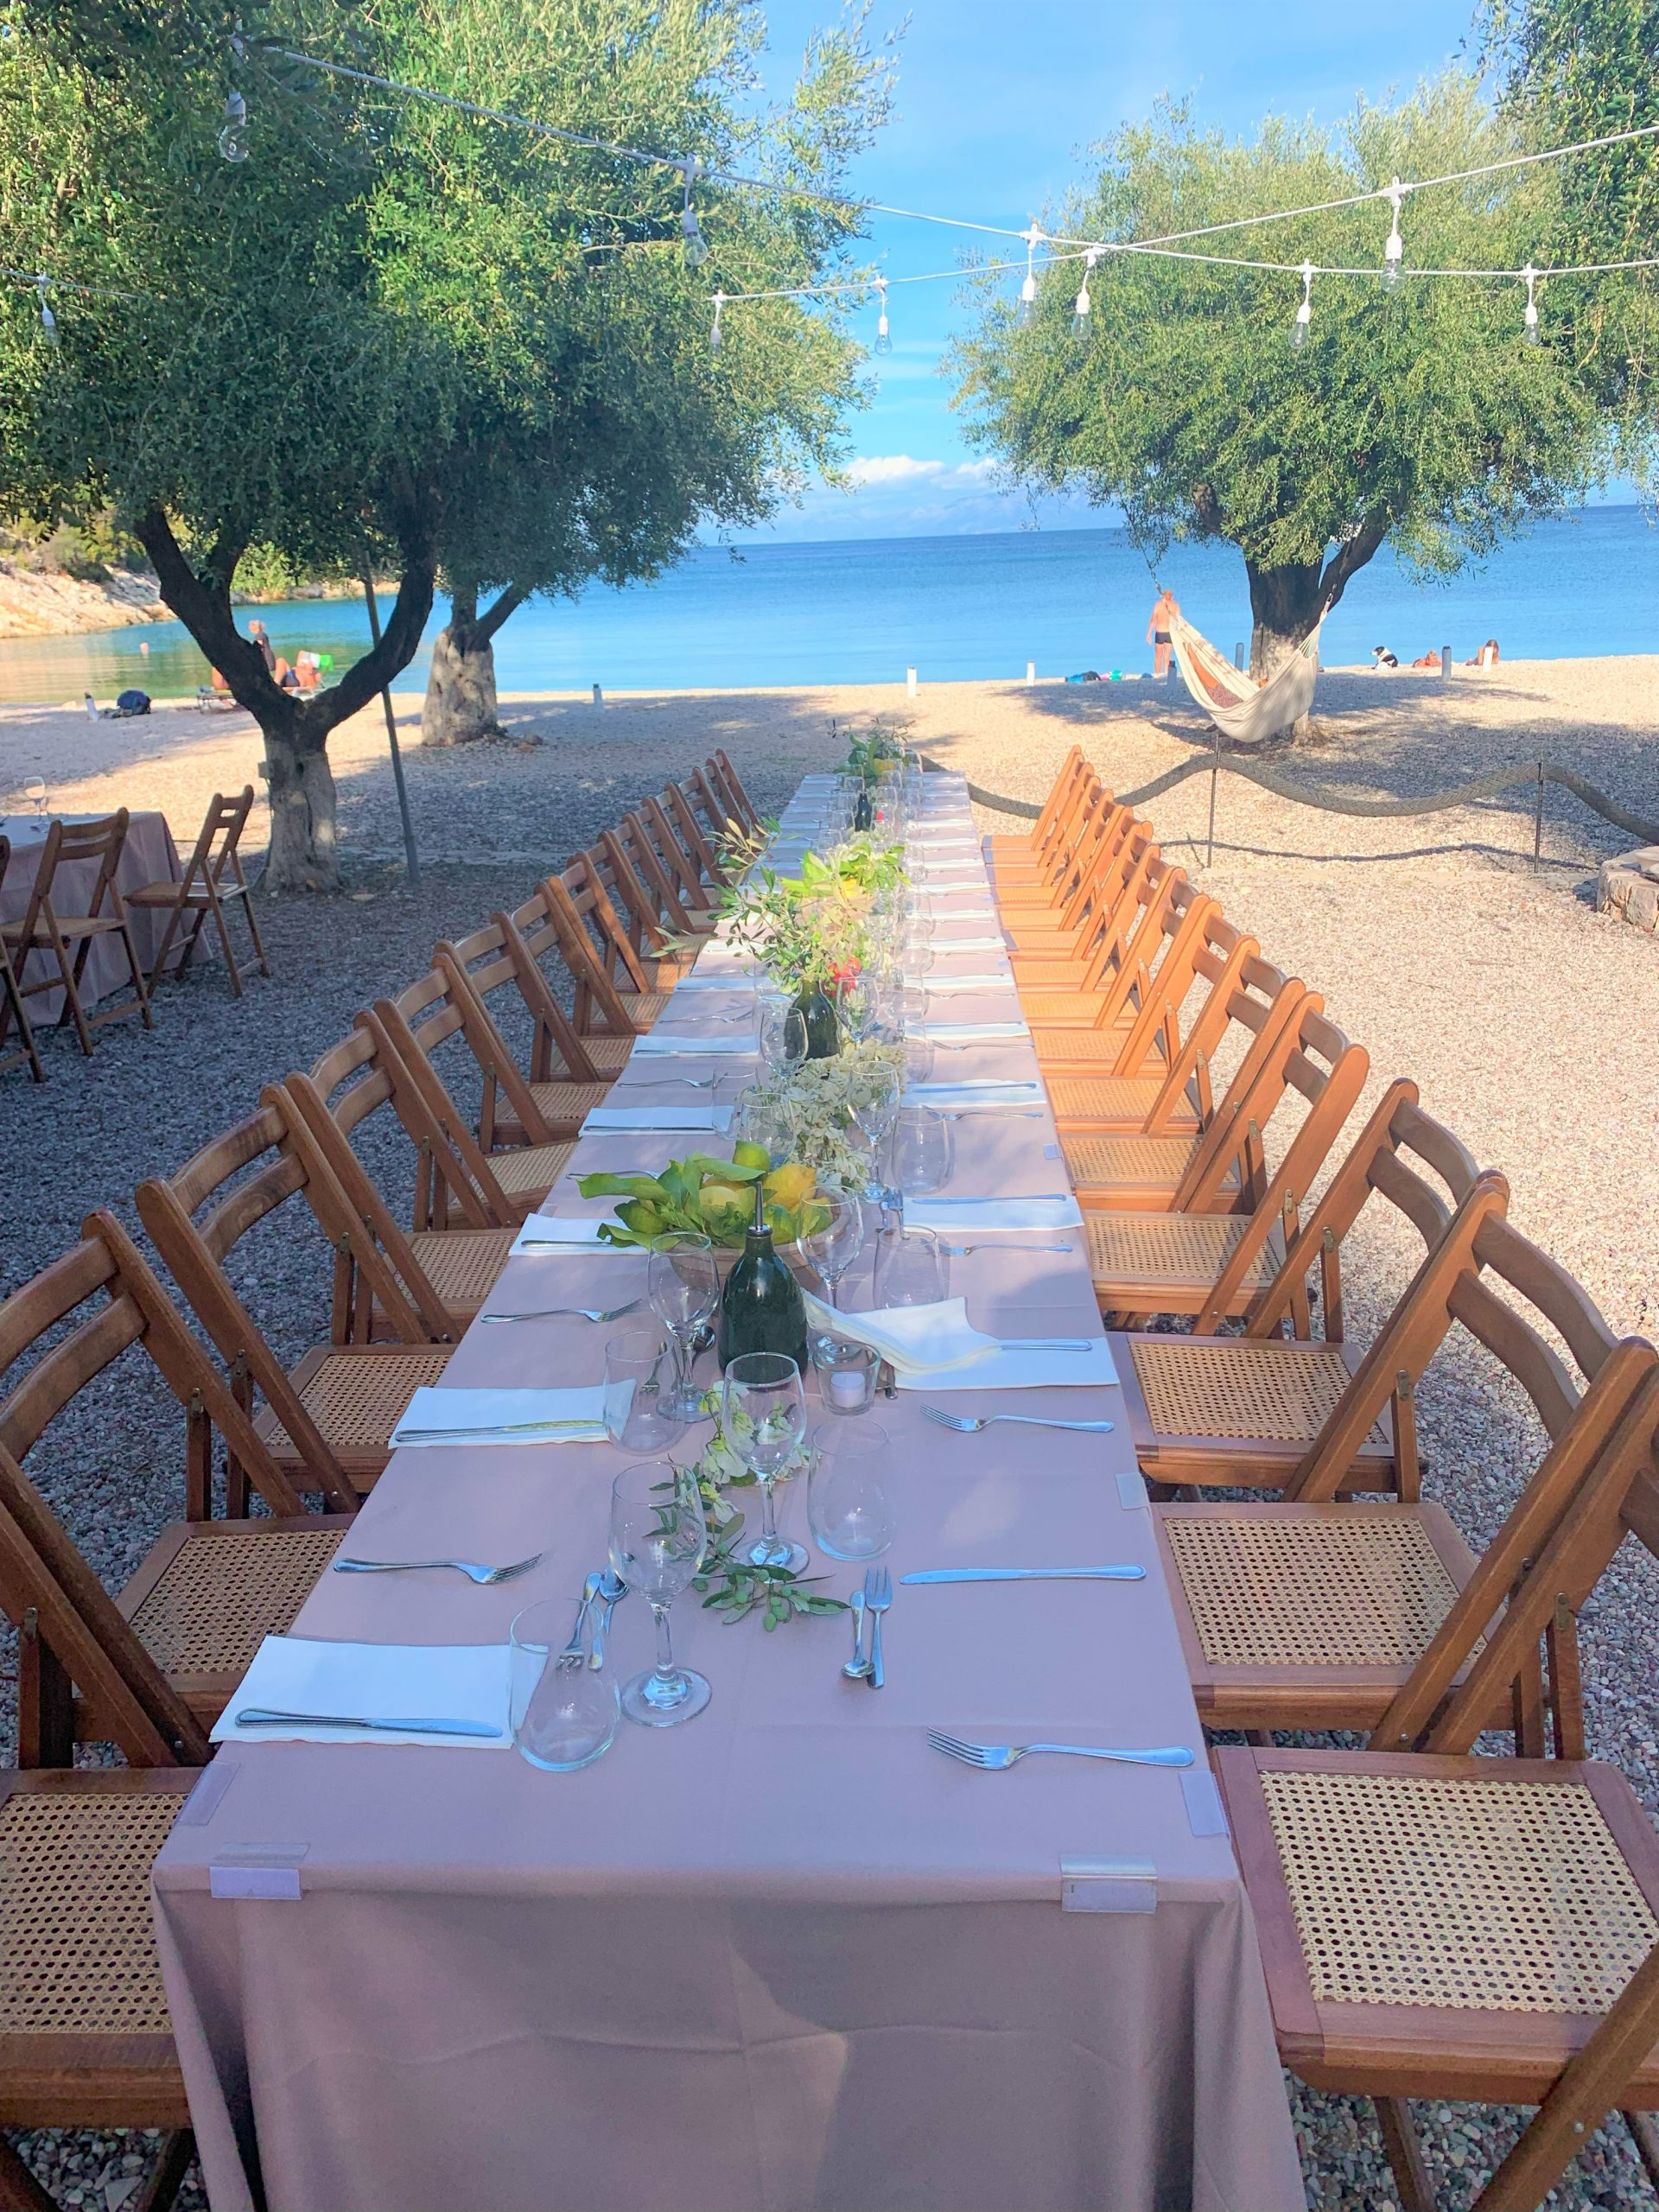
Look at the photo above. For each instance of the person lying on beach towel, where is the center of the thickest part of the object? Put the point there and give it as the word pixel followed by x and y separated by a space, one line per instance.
pixel 1426 660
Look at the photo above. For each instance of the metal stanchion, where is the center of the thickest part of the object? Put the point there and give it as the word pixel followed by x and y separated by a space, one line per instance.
pixel 1214 777
pixel 411 858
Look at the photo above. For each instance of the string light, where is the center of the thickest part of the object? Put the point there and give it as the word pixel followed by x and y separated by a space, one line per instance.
pixel 1304 313
pixel 234 138
pixel 1033 239
pixel 1530 321
pixel 1394 253
pixel 696 246
pixel 714 335
pixel 1082 304
pixel 48 321
pixel 883 336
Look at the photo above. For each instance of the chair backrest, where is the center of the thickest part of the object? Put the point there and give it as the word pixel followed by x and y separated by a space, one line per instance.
pixel 486 964
pixel 729 783
pixel 600 1008
pixel 650 927
pixel 702 823
pixel 683 866
pixel 530 935
pixel 216 846
pixel 1219 961
pixel 1106 877
pixel 196 1217
pixel 639 848
pixel 586 879
pixel 407 1031
pixel 1065 794
pixel 1162 933
pixel 73 843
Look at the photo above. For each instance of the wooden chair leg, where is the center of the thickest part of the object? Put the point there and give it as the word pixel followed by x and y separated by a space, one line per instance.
pixel 224 942
pixel 19 2190
pixel 162 2181
pixel 12 1010
pixel 1644 2134
pixel 165 947
pixel 246 904
pixel 71 1006
pixel 136 968
pixel 1405 2154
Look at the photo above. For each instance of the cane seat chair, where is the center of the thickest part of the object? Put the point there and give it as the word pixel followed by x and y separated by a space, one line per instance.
pixel 1060 918
pixel 687 914
pixel 1222 1264
pixel 1435 1923
pixel 209 1590
pixel 48 935
pixel 1075 980
pixel 535 934
pixel 212 884
pixel 588 878
pixel 1017 850
pixel 1150 966
pixel 1093 822
pixel 546 1092
pixel 326 1421
pixel 13 1013
pixel 603 1007
pixel 729 785
pixel 684 851
pixel 651 958
pixel 85 2039
pixel 704 824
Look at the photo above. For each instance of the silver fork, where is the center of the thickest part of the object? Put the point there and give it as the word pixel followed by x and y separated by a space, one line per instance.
pixel 970 1424
pixel 858 1666
pixel 961 1252
pixel 573 1313
pixel 994 1759
pixel 575 1653
pixel 878 1596
pixel 475 1570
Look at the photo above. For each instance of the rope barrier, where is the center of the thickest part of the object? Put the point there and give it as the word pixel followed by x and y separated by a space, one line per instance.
pixel 1539 771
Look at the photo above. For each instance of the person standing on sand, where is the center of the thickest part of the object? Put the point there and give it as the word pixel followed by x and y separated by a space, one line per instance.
pixel 1165 607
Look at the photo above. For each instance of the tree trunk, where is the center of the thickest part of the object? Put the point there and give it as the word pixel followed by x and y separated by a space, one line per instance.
pixel 304 845
pixel 1285 605
pixel 460 702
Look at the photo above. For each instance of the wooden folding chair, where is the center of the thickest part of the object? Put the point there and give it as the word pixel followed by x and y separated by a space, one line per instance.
pixel 682 863
pixel 1050 915
pixel 493 1190
pixel 212 881
pixel 661 959
pixel 726 781
pixel 602 1009
pixel 1083 943
pixel 1017 875
pixel 1309 1614
pixel 1256 1411
pixel 703 823
pixel 687 911
pixel 328 1422
pixel 86 2040
pixel 1009 847
pixel 42 930
pixel 634 975
pixel 1441 1925
pixel 209 1590
pixel 528 1099
pixel 1163 916
pixel 1200 1262
pixel 12 1010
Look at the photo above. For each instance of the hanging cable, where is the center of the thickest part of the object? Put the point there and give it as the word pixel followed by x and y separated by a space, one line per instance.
pixel 1304 313
pixel 883 336
pixel 1394 253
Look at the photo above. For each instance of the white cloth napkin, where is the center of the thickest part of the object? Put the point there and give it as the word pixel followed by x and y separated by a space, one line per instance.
pixel 377 1681
pixel 913 1339
pixel 655 1040
pixel 580 1230
pixel 995 980
pixel 601 1118
pixel 535 1416
pixel 967 1032
pixel 968 944
pixel 993 1213
pixel 709 979
pixel 1009 1369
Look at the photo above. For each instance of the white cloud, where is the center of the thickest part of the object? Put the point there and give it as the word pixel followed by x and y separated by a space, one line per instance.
pixel 892 468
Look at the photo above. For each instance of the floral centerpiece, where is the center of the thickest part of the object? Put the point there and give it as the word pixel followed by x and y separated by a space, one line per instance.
pixel 874 754
pixel 712 1198
pixel 730 1585
pixel 816 1101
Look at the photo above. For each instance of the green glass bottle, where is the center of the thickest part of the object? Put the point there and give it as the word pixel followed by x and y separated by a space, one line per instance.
pixel 863 813
pixel 761 1308
pixel 822 1024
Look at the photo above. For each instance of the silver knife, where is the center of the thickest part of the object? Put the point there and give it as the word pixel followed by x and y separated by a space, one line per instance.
pixel 1026 1198
pixel 1028 1574
pixel 257 1716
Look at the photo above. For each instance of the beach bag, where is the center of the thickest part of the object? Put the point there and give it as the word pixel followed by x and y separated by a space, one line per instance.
pixel 128 703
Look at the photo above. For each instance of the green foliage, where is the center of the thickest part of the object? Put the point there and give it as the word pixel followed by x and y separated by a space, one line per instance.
pixel 1415 413
pixel 870 757
pixel 809 931
pixel 708 1197
pixel 732 1586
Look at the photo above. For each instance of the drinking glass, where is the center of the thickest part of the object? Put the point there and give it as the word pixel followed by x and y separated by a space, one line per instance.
pixel 858 1006
pixel 918 1052
pixel 765 1420
pixel 682 1281
pixel 919 950
pixel 848 1502
pixel 564 1712
pixel 874 1104
pixel 921 1151
pixel 910 1268
pixel 639 1374
pixel 834 1246
pixel 846 1373
pixel 658 1535
pixel 34 792
pixel 783 1035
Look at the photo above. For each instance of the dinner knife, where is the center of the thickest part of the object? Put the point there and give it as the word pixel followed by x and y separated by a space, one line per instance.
pixel 257 1716
pixel 1028 1574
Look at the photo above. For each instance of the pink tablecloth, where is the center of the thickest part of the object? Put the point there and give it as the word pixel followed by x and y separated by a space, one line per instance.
pixel 785 1956
pixel 149 856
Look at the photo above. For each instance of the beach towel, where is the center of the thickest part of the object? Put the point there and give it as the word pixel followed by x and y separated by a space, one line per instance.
pixel 1239 707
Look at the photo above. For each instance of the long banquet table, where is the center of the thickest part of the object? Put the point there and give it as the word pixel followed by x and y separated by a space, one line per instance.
pixel 785 1956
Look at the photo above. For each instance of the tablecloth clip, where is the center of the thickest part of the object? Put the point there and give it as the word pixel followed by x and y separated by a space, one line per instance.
pixel 1131 1490
pixel 267 1871
pixel 1108 1886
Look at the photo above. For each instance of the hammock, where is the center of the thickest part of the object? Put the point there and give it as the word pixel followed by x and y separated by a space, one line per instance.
pixel 1239 707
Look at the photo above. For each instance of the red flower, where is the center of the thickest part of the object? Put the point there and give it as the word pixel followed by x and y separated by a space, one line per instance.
pixel 845 972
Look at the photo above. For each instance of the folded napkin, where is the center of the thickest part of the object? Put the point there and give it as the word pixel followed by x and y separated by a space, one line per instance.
pixel 912 1339
pixel 601 1118
pixel 578 1230
pixel 948 1215
pixel 967 944
pixel 531 1416
pixel 998 979
pixel 929 841
pixel 967 1032
pixel 655 1041
pixel 711 979
pixel 976 1091
pixel 1009 1367
pixel 375 1681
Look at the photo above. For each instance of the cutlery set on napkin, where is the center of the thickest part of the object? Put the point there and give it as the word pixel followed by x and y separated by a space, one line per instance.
pixel 934 1347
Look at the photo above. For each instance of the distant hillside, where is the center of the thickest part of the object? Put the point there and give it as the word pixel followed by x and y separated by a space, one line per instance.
pixel 41 603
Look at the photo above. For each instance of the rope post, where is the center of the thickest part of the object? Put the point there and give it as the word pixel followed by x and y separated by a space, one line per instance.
pixel 411 858
pixel 1214 777
pixel 1538 822
pixel 1238 655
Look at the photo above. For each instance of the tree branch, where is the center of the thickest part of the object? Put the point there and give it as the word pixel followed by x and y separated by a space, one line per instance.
pixel 509 603
pixel 202 603
pixel 399 642
pixel 1347 561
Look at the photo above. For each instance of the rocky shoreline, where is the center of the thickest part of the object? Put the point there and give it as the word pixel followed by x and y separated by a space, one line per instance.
pixel 42 603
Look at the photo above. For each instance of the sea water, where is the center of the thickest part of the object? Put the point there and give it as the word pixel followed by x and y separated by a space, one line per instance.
pixel 861 611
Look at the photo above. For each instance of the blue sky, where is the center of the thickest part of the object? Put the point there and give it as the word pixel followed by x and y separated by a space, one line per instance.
pixel 997 107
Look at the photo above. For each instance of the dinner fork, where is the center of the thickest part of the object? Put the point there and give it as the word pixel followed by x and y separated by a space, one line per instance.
pixel 994 1759
pixel 473 1569
pixel 878 1596
pixel 970 1424
pixel 575 1313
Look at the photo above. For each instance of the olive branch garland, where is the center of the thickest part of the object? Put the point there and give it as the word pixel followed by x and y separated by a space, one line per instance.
pixel 732 1586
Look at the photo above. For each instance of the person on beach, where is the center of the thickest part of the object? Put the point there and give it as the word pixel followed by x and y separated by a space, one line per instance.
pixel 257 632
pixel 1165 608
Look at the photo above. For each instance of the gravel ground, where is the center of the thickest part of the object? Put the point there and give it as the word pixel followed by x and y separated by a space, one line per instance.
pixel 1531 1023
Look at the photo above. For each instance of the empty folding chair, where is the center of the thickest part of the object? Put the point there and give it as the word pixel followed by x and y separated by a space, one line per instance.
pixel 48 934
pixel 602 1007
pixel 1010 848
pixel 729 785
pixel 213 882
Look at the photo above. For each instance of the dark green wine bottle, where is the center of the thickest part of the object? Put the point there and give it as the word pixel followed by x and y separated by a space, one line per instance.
pixel 863 813
pixel 761 1308
pixel 822 1025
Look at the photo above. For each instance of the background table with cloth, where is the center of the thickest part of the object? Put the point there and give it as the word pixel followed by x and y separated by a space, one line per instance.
pixel 785 1956
pixel 150 856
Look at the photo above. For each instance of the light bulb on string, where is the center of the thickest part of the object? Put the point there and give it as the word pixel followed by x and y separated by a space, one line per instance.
pixel 1083 304
pixel 696 246
pixel 49 330
pixel 1530 321
pixel 1304 312
pixel 1394 253
pixel 1033 239
pixel 234 138
pixel 714 335
pixel 883 336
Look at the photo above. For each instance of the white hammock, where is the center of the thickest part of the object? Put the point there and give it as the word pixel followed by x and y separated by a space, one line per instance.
pixel 1239 707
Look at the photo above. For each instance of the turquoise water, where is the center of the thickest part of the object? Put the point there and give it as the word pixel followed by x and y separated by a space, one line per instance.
pixel 861 611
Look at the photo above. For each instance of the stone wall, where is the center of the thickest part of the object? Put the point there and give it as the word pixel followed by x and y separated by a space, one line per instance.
pixel 1629 886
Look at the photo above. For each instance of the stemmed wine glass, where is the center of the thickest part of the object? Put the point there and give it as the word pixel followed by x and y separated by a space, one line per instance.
pixel 684 1284
pixel 658 1535
pixel 764 1418
pixel 783 1035
pixel 873 1106
pixel 859 1005
pixel 836 1243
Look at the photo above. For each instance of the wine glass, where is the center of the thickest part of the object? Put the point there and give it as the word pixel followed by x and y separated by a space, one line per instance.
pixel 838 1240
pixel 34 792
pixel 919 953
pixel 682 1281
pixel 921 1151
pixel 858 1006
pixel 639 1412
pixel 657 1536
pixel 910 1268
pixel 764 1418
pixel 873 1105
pixel 783 1035
pixel 918 1052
